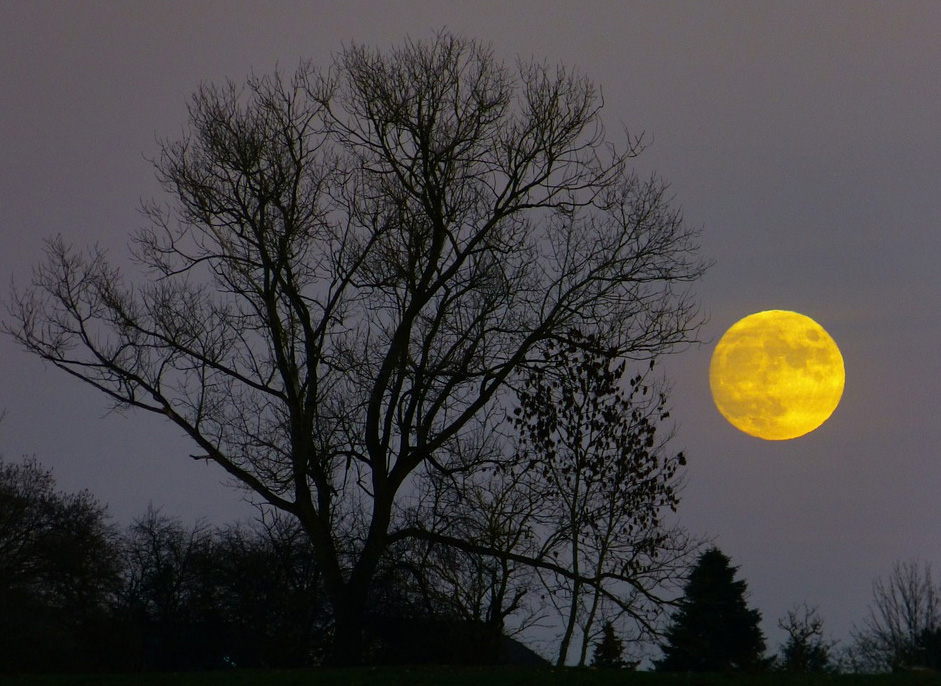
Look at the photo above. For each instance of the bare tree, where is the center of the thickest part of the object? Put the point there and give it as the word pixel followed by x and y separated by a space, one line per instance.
pixel 165 565
pixel 352 265
pixel 903 621
pixel 195 597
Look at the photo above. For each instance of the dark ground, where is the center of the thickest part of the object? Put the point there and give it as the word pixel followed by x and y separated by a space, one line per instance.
pixel 455 676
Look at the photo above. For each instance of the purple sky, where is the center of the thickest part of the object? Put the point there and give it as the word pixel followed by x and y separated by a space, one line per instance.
pixel 803 137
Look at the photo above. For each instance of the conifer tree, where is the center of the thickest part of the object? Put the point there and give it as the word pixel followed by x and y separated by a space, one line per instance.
pixel 714 630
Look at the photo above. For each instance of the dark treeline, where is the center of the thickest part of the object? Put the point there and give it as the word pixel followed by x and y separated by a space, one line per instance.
pixel 79 594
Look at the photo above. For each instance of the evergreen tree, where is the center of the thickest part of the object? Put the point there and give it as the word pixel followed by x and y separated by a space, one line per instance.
pixel 609 651
pixel 714 630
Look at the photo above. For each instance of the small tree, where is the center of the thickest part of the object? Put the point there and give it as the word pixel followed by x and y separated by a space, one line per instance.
pixel 269 591
pixel 588 432
pixel 714 630
pixel 806 650
pixel 497 595
pixel 167 598
pixel 609 651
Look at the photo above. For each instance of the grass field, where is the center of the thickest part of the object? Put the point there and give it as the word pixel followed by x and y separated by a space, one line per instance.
pixel 456 676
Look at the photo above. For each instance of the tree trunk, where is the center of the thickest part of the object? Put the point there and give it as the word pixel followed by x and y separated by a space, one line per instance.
pixel 586 630
pixel 348 625
pixel 349 600
pixel 569 626
pixel 576 585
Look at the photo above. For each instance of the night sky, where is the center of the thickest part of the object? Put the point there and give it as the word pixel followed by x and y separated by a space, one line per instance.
pixel 804 138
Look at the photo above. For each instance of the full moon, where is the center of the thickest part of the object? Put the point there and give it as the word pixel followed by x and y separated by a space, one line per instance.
pixel 776 375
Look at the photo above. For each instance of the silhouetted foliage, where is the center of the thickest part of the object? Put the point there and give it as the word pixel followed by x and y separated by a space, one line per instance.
pixel 904 621
pixel 196 598
pixel 806 650
pixel 167 600
pixel 714 630
pixel 58 571
pixel 353 267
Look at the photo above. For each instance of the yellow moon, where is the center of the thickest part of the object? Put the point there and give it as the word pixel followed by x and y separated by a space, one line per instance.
pixel 776 375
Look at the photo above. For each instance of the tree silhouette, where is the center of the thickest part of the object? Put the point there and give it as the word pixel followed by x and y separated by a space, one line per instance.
pixel 609 650
pixel 589 443
pixel 498 595
pixel 58 571
pixel 713 630
pixel 76 594
pixel 198 598
pixel 352 267
pixel 903 622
